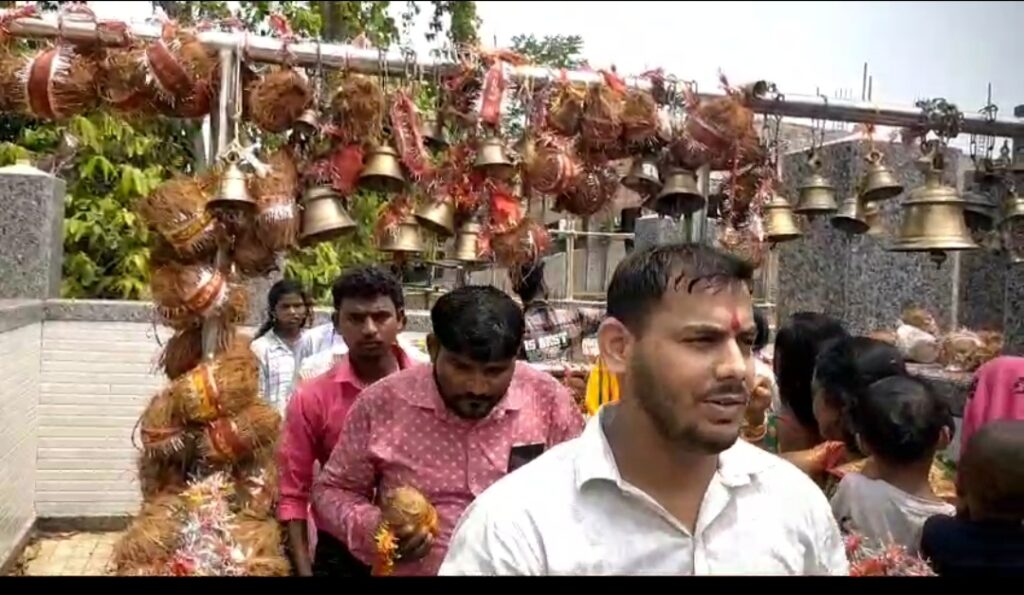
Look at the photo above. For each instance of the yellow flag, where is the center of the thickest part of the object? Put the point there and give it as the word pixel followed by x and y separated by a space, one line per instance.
pixel 602 387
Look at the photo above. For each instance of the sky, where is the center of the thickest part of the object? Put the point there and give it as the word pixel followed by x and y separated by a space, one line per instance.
pixel 913 49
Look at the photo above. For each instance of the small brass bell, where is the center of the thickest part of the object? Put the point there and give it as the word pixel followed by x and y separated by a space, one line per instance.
pixel 382 171
pixel 849 218
pixel 467 243
pixel 979 212
pixel 933 217
pixel 437 217
pixel 404 237
pixel 233 191
pixel 433 133
pixel 324 218
pixel 643 177
pixel 679 194
pixel 307 124
pixel 1013 207
pixel 817 195
pixel 492 160
pixel 873 217
pixel 878 182
pixel 779 222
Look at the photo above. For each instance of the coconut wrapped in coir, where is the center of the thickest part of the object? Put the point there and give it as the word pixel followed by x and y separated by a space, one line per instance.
pixel 262 543
pixel 743 242
pixel 527 243
pixel 230 440
pixel 10 64
pixel 57 83
pixel 554 169
pixel 151 538
pixel 601 122
pixel 593 190
pixel 221 387
pixel 566 112
pixel 124 81
pixel 277 215
pixel 162 429
pixel 252 257
pixel 402 507
pixel 256 486
pixel 640 121
pixel 177 211
pixel 182 72
pixel 723 124
pixel 183 351
pixel 186 294
pixel 278 98
pixel 158 475
pixel 358 108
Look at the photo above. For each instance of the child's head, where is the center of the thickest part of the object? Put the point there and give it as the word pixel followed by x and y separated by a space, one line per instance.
pixel 900 420
pixel 990 477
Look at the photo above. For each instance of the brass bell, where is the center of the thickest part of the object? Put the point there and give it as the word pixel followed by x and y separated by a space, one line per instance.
pixel 432 130
pixel 849 218
pixel 1013 207
pixel 404 237
pixel 467 243
pixel 779 222
pixel 679 194
pixel 233 191
pixel 438 217
pixel 873 217
pixel 878 182
pixel 324 218
pixel 933 217
pixel 817 195
pixel 307 124
pixel 643 177
pixel 979 212
pixel 492 160
pixel 382 171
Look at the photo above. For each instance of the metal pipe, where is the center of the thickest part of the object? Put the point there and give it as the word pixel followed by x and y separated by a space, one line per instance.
pixel 611 235
pixel 570 257
pixel 371 61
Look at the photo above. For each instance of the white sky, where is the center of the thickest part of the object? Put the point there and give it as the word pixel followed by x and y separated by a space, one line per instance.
pixel 914 49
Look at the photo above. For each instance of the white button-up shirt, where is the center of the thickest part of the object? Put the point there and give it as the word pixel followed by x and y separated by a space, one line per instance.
pixel 569 512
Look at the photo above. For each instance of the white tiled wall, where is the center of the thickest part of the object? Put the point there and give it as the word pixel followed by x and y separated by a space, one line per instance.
pixel 19 390
pixel 97 377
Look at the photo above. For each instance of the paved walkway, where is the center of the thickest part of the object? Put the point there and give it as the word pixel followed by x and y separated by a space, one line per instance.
pixel 69 554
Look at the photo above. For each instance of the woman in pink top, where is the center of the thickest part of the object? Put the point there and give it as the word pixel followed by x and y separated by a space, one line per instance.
pixel 369 314
pixel 998 394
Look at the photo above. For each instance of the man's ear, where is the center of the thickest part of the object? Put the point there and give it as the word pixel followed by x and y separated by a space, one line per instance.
pixel 400 316
pixel 433 347
pixel 616 344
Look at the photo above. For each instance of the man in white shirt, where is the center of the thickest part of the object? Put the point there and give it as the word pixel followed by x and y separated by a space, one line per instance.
pixel 658 483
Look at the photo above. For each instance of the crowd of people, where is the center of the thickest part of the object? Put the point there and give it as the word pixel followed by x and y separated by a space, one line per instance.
pixel 718 458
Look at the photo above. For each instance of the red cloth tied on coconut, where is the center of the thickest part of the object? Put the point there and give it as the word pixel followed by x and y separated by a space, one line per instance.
pixel 408 136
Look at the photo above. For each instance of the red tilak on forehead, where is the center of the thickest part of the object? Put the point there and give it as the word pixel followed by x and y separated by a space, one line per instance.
pixel 734 323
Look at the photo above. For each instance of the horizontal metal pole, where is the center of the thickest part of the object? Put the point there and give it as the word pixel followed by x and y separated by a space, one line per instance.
pixel 372 61
pixel 610 235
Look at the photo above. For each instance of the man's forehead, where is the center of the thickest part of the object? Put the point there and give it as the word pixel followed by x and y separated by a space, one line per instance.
pixel 725 303
pixel 379 303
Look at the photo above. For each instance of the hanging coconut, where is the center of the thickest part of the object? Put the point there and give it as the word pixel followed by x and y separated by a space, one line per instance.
pixel 640 119
pixel 593 190
pixel 566 112
pixel 158 476
pixel 554 170
pixel 235 439
pixel 181 69
pixel 182 352
pixel 601 123
pixel 252 257
pixel 124 81
pixel 57 83
pixel 152 537
pixel 276 220
pixel 177 211
pixel 224 386
pixel 527 243
pixel 161 429
pixel 278 98
pixel 10 85
pixel 185 294
pixel 357 108
pixel 260 539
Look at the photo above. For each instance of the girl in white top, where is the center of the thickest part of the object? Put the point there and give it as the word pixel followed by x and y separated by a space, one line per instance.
pixel 276 341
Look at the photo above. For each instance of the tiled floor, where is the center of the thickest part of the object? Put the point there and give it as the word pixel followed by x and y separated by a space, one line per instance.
pixel 69 554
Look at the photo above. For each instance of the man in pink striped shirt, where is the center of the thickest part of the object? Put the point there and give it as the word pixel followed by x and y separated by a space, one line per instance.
pixel 449 430
pixel 369 314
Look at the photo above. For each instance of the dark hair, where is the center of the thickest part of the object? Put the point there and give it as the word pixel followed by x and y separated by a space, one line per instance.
pixel 367 283
pixel 479 322
pixel 763 332
pixel 277 292
pixel 643 277
pixel 991 471
pixel 797 344
pixel 528 281
pixel 901 419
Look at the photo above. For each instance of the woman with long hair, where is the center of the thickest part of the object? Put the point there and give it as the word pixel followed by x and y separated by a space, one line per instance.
pixel 288 313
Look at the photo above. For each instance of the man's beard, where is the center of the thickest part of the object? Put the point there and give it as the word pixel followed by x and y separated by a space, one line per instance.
pixel 657 403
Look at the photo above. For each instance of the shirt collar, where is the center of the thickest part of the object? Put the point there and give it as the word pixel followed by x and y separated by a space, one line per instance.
pixel 343 373
pixel 594 460
pixel 428 397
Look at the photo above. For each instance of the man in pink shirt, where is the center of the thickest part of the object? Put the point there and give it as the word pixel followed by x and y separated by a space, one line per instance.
pixel 449 430
pixel 368 314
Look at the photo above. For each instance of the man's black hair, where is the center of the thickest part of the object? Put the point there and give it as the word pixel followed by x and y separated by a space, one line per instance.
pixel 367 283
pixel 797 345
pixel 479 322
pixel 900 418
pixel 529 282
pixel 643 277
pixel 991 471
pixel 763 332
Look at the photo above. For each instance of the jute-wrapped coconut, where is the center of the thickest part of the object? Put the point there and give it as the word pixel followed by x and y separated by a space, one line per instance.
pixel 230 440
pixel 56 83
pixel 278 98
pixel 221 387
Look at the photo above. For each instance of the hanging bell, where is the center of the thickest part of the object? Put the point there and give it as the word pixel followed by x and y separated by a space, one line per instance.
pixel 679 195
pixel 878 182
pixel 979 212
pixel 933 217
pixel 404 237
pixel 643 177
pixel 233 191
pixel 849 218
pixel 307 124
pixel 437 217
pixel 1013 207
pixel 432 130
pixel 382 171
pixel 817 195
pixel 467 243
pixel 492 160
pixel 324 218
pixel 873 217
pixel 779 222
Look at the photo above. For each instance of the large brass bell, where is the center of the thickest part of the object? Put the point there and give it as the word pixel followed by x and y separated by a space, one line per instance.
pixel 817 195
pixel 437 217
pixel 232 192
pixel 679 194
pixel 878 183
pixel 404 237
pixel 324 218
pixel 432 130
pixel 933 216
pixel 779 221
pixel 467 243
pixel 849 218
pixel 382 171
pixel 643 177
pixel 492 160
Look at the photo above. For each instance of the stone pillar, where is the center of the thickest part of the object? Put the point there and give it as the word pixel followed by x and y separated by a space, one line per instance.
pixel 652 230
pixel 31 233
